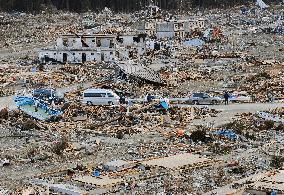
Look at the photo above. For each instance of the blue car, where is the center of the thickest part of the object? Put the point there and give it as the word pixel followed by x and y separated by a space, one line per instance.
pixel 48 94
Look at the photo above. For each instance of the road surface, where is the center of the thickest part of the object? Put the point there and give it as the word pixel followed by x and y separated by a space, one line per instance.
pixel 229 112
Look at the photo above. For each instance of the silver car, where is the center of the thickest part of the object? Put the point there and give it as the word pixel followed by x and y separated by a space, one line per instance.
pixel 203 98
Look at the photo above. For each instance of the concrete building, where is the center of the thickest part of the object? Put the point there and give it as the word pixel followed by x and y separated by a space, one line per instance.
pixel 130 45
pixel 194 23
pixel 98 47
pixel 165 29
pixel 81 48
pixel 170 29
pixel 147 27
pixel 179 28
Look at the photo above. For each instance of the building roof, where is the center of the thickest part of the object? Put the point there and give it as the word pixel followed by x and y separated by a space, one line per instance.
pixel 140 71
pixel 93 90
pixel 176 161
pixel 101 182
pixel 82 49
pixel 89 35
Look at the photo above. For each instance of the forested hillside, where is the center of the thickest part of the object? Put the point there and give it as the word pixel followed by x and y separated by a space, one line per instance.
pixel 116 5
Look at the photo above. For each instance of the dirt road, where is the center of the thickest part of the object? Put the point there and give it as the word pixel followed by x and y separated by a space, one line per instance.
pixel 229 111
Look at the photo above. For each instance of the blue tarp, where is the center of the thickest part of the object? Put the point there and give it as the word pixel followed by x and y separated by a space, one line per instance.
pixel 227 133
pixel 165 105
pixel 194 42
pixel 27 105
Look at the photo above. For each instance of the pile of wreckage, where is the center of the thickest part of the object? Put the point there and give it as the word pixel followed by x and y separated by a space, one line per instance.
pixel 146 143
pixel 147 163
pixel 35 28
pixel 263 83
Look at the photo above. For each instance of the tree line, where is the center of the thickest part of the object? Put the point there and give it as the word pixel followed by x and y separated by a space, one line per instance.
pixel 115 5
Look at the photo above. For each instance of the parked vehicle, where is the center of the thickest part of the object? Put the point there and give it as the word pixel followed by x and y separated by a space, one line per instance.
pixel 242 97
pixel 48 94
pixel 100 97
pixel 145 99
pixel 239 98
pixel 152 98
pixel 203 98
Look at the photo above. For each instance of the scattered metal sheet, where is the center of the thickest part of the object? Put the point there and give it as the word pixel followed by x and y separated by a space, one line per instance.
pixel 140 71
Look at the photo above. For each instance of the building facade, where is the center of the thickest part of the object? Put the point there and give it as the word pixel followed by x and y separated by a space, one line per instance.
pixel 98 47
pixel 170 29
pixel 81 48
pixel 131 46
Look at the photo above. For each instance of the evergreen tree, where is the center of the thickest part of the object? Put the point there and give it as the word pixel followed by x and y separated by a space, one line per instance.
pixel 116 5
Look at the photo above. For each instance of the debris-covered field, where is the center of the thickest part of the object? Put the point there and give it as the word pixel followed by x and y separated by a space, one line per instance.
pixel 143 103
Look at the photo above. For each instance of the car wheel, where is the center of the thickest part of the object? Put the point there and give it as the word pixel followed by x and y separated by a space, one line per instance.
pixel 214 102
pixel 89 103
pixel 110 103
pixel 195 102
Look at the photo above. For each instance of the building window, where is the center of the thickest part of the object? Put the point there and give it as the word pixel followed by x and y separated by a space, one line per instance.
pixel 65 42
pixel 94 95
pixel 99 44
pixel 111 44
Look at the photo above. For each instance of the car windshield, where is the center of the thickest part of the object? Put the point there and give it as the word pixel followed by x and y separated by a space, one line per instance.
pixel 197 95
pixel 110 95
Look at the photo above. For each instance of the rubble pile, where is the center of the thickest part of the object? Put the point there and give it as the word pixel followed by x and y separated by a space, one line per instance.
pixel 36 29
pixel 67 76
pixel 145 102
pixel 264 82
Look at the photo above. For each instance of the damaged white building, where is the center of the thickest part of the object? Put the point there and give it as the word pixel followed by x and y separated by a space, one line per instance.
pixel 73 48
pixel 170 29
pixel 81 48
pixel 131 46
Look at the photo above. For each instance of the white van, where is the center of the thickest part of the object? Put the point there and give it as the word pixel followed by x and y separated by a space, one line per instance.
pixel 100 97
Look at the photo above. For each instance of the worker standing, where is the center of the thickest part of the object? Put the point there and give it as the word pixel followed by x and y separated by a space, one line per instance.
pixel 226 97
